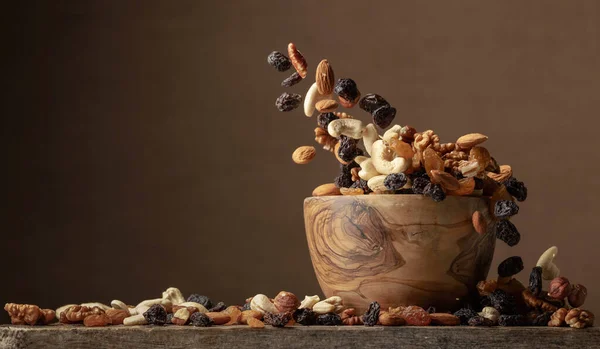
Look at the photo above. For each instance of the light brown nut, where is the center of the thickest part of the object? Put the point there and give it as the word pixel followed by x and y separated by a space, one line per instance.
pixel 21 314
pixel 481 155
pixel 326 106
pixel 286 301
pixel 97 320
pixel 432 161
pixel 255 323
pixel 336 152
pixel 326 189
pixel 117 316
pixel 467 185
pixel 190 308
pixel 445 179
pixel 343 115
pixel 181 317
pixel 387 319
pixel 443 319
pixel 558 318
pixel 349 317
pixel 559 288
pixel 354 171
pixel 537 303
pixel 48 315
pixel 352 191
pixel 469 168
pixel 325 78
pixel 423 140
pixel 401 148
pixel 577 295
pixel 579 318
pixel 479 223
pixel 323 138
pixel 297 59
pixel 348 104
pixel 135 320
pixel 505 173
pixel 246 314
pixel 219 318
pixel 78 313
pixel 304 155
pixel 470 140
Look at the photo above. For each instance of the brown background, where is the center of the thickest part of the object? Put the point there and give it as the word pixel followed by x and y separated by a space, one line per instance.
pixel 143 149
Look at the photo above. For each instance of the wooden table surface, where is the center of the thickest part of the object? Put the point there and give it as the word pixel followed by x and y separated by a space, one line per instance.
pixel 322 337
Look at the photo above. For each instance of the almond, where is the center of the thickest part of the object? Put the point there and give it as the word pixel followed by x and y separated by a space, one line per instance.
pixel 297 59
pixel 255 323
pixel 219 318
pixel 326 106
pixel 467 185
pixel 444 319
pixel 325 78
pixel 235 315
pixel 97 320
pixel 346 103
pixel 304 155
pixel 117 315
pixel 479 223
pixel 352 191
pixel 445 179
pixel 505 173
pixel 326 189
pixel 470 140
pixel 246 314
pixel 387 319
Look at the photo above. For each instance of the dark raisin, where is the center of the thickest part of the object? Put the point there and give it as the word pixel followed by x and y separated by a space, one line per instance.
pixel 288 101
pixel 542 319
pixel 291 80
pixel 464 315
pixel 478 183
pixel 516 188
pixel 435 191
pixel 480 321
pixel 493 166
pixel 200 320
pixel 371 317
pixel 535 281
pixel 431 309
pixel 362 184
pixel 344 179
pixel 205 301
pixel 510 266
pixel 485 301
pixel 346 88
pixel 503 302
pixel 279 61
pixel 419 174
pixel 395 181
pixel 305 316
pixel 156 315
pixel 384 116
pixel 505 209
pixel 217 308
pixel 329 319
pixel 507 232
pixel 419 184
pixel 512 320
pixel 246 306
pixel 324 119
pixel 347 150
pixel 456 173
pixel 277 320
pixel 371 102
pixel 169 318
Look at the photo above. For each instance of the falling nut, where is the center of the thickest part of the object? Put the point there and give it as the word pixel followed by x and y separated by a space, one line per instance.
pixel 546 261
pixel 385 161
pixel 297 59
pixel 326 106
pixel 304 155
pixel 312 97
pixel 470 140
pixel 326 190
pixel 479 223
pixel 577 295
pixel 325 79
pixel 367 169
pixel 559 288
pixel 352 128
pixel 369 136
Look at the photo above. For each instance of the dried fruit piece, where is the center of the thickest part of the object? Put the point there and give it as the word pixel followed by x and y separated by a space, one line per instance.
pixel 510 266
pixel 401 148
pixel 200 299
pixel 470 140
pixel 156 315
pixel 407 134
pixel 420 184
pixel 200 320
pixel 507 232
pixel 481 155
pixel 297 59
pixel 277 320
pixel 577 295
pixel 288 101
pixel 505 173
pixel 416 316
pixel 352 191
pixel 432 161
pixel 384 116
pixel 395 181
pixel 249 313
pixel 324 78
pixel 388 319
pixel 444 319
pixel 279 61
pixel 347 149
pixel 326 106
pixel 347 89
pixel 505 209
pixel 371 102
pixel 559 288
pixel 220 306
pixel 516 188
pixel 480 321
pixel 255 323
pixel 117 316
pixel 291 80
pixel 326 189
pixel 503 302
pixel 466 187
pixel 479 223
pixel 535 281
pixel 435 192
pixel 465 314
pixel 512 320
pixel 445 179
pixel 304 155
pixel 99 320
pixel 362 184
pixel 344 179
pixel 542 319
pixel 371 317
pixel 536 303
pixel 305 316
pixel 219 318
pixel 329 319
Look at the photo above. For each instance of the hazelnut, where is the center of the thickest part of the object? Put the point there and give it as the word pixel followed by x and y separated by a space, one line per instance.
pixel 286 301
pixel 579 318
pixel 577 295
pixel 558 318
pixel 560 288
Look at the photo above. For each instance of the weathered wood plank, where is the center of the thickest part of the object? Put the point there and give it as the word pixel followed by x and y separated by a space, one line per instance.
pixel 174 337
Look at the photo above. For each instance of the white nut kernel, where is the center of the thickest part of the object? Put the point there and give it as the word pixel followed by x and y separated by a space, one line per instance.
pixel 174 295
pixel 135 320
pixel 263 304
pixel 330 305
pixel 490 313
pixel 201 309
pixel 546 261
pixel 117 304
pixel 311 98
pixel 393 132
pixel 145 305
pixel 309 302
pixel 377 186
pixel 369 135
pixel 367 170
pixel 385 161
pixel 352 128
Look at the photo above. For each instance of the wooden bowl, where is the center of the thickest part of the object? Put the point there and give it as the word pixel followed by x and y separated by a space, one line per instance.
pixel 398 249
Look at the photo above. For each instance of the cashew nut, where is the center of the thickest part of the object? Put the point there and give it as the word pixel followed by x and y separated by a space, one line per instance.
pixel 490 313
pixel 311 98
pixel 369 135
pixel 95 304
pixel 135 320
pixel 385 161
pixel 393 132
pixel 546 261
pixel 201 309
pixel 352 128
pixel 174 295
pixel 309 301
pixel 263 304
pixel 117 304
pixel 367 170
pixel 376 184
pixel 145 305
pixel 329 305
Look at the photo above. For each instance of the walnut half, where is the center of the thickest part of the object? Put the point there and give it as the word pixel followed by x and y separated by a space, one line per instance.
pixel 579 318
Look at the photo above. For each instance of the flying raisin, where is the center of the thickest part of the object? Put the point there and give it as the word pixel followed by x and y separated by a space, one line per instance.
pixel 384 116
pixel 510 266
pixel 217 308
pixel 156 315
pixel 516 188
pixel 288 101
pixel 277 320
pixel 395 181
pixel 505 209
pixel 305 316
pixel 535 281
pixel 371 102
pixel 419 184
pixel 507 232
pixel 324 119
pixel 542 319
pixel 200 320
pixel 291 80
pixel 512 320
pixel 465 314
pixel 435 191
pixel 329 319
pixel 346 88
pixel 205 301
pixel 279 61
pixel 371 317
pixel 503 302
pixel 480 321
pixel 347 150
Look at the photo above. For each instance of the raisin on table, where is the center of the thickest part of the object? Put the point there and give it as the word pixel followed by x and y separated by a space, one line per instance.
pixel 156 315
pixel 200 299
pixel 465 314
pixel 200 320
pixel 512 320
pixel 277 320
pixel 542 319
pixel 371 317
pixel 503 302
pixel 305 316
pixel 480 321
pixel 217 308
pixel 329 319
